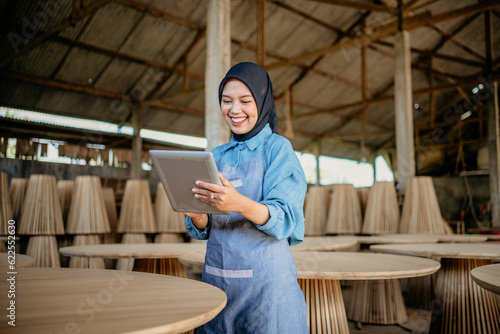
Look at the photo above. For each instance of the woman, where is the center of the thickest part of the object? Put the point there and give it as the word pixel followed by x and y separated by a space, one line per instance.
pixel 263 186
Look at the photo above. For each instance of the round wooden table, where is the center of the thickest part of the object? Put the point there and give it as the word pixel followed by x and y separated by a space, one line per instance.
pixel 66 300
pixel 319 275
pixel 327 243
pixel 461 306
pixel 488 277
pixel 152 258
pixel 21 261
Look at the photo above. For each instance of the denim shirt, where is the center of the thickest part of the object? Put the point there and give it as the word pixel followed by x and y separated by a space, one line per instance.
pixel 284 186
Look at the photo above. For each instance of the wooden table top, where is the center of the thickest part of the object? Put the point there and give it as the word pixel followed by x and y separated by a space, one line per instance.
pixel 428 238
pixel 487 277
pixel 397 238
pixel 64 300
pixel 449 250
pixel 21 261
pixel 136 251
pixel 327 243
pixel 346 265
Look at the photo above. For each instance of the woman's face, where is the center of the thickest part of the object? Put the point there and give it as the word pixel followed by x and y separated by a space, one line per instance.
pixel 238 107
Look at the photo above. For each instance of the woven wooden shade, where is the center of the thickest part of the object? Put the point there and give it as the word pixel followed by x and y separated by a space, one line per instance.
pixel 382 210
pixel 130 238
pixel 83 261
pixel 316 210
pixel 43 248
pixel 5 206
pixel 168 238
pixel 137 215
pixel 65 188
pixel 363 193
pixel 167 220
pixel 41 214
pixel 110 204
pixel 421 213
pixel 87 214
pixel 344 214
pixel 17 193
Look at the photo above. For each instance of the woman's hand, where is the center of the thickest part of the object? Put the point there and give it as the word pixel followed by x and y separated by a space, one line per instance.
pixel 200 220
pixel 227 198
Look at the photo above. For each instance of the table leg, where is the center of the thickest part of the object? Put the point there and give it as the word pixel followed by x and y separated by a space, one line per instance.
pixel 377 302
pixel 325 306
pixel 463 306
pixel 170 266
pixel 421 291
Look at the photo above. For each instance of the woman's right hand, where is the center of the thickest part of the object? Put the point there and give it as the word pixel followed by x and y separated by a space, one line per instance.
pixel 200 220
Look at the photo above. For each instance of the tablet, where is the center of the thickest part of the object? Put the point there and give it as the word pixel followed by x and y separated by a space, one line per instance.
pixel 179 170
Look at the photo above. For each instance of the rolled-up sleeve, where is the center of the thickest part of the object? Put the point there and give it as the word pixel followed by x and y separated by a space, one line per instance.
pixel 284 190
pixel 194 232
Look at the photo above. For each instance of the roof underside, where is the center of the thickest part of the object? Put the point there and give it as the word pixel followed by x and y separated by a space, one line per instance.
pixel 99 60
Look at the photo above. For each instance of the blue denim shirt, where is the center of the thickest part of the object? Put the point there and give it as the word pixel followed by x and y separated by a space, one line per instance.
pixel 284 186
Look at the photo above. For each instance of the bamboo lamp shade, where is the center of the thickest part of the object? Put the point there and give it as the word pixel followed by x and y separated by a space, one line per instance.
pixel 43 249
pixel 110 204
pixel 5 206
pixel 87 214
pixel 17 193
pixel 83 261
pixel 382 209
pixel 41 214
pixel 167 220
pixel 421 213
pixel 316 210
pixel 130 238
pixel 344 213
pixel 167 238
pixel 65 188
pixel 363 193
pixel 137 214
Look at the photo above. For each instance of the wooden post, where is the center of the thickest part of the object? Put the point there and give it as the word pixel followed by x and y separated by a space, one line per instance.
pixel 135 169
pixel 493 125
pixel 217 64
pixel 261 17
pixel 405 150
pixel 316 153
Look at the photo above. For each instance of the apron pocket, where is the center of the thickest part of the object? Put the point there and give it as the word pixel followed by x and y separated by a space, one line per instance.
pixel 229 273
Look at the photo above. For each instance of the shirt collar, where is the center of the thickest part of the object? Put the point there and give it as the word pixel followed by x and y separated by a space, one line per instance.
pixel 255 141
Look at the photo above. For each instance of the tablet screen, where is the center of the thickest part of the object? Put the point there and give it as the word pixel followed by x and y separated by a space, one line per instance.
pixel 178 171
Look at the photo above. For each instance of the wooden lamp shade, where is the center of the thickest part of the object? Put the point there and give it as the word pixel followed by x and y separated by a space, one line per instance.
pixel 167 220
pixel 65 188
pixel 17 192
pixel 83 261
pixel 5 206
pixel 87 214
pixel 344 214
pixel 130 238
pixel 137 215
pixel 43 249
pixel 316 210
pixel 421 213
pixel 110 204
pixel 41 214
pixel 363 193
pixel 382 209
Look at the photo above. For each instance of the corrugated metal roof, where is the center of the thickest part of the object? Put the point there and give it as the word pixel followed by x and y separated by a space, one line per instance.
pixel 109 55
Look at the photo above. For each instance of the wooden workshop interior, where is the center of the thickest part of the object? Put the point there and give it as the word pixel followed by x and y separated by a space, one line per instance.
pixel 412 82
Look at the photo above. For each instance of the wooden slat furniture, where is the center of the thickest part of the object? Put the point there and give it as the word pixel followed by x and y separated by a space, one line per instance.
pixel 487 277
pixel 462 306
pixel 331 243
pixel 319 275
pixel 65 300
pixel 152 258
pixel 21 261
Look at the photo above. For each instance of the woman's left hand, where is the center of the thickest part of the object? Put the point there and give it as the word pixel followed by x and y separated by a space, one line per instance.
pixel 224 198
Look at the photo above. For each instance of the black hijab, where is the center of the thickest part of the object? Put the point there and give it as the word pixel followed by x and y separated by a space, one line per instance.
pixel 259 83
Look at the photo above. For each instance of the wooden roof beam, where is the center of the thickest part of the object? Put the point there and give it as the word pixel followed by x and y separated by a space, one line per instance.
pixel 410 23
pixel 353 4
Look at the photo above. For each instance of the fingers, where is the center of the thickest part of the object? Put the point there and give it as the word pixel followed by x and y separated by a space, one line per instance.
pixel 224 181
